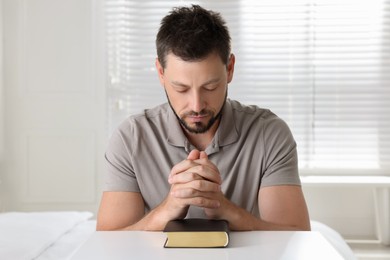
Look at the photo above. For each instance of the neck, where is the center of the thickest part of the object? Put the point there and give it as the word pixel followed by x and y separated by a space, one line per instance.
pixel 201 141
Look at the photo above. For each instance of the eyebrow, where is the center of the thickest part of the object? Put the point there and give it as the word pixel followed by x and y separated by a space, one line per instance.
pixel 211 81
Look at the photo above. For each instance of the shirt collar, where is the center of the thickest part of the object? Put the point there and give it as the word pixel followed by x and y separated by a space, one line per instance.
pixel 176 136
pixel 226 133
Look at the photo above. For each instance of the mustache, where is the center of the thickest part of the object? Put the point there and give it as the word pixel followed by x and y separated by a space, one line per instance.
pixel 200 113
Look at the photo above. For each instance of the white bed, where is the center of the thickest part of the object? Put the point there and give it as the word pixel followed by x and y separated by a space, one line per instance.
pixel 57 235
pixel 43 235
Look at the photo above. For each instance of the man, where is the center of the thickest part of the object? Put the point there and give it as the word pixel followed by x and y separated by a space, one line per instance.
pixel 201 154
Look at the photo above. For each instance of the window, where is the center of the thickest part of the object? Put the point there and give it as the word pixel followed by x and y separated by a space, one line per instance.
pixel 321 65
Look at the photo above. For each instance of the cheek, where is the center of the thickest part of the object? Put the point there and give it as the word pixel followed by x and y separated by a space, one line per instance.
pixel 219 96
pixel 222 98
pixel 177 100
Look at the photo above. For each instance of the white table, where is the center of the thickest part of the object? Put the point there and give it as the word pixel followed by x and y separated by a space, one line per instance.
pixel 271 245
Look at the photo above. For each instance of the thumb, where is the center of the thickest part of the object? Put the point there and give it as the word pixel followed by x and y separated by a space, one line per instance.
pixel 193 155
pixel 203 155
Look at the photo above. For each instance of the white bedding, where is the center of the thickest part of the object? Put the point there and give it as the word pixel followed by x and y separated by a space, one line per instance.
pixel 33 235
pixel 57 235
pixel 67 244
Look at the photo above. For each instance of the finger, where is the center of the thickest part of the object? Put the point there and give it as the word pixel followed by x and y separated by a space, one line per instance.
pixel 202 202
pixel 206 162
pixel 193 155
pixel 197 172
pixel 203 155
pixel 185 164
pixel 184 177
pixel 207 172
pixel 182 167
pixel 196 187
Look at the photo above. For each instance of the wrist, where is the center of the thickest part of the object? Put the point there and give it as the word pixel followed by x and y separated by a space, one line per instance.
pixel 158 218
pixel 241 220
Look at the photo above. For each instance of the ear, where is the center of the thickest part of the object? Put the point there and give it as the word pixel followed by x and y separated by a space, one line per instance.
pixel 230 68
pixel 160 72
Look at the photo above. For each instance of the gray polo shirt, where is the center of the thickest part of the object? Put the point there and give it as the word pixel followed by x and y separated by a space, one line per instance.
pixel 252 148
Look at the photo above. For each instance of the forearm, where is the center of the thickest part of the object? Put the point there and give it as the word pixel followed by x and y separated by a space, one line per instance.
pixel 125 211
pixel 157 218
pixel 150 222
pixel 242 220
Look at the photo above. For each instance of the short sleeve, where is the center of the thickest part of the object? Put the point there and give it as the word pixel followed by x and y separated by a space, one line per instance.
pixel 281 159
pixel 120 174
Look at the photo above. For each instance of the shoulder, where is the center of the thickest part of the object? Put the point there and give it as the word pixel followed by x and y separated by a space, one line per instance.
pixel 255 114
pixel 151 122
pixel 144 119
pixel 260 121
pixel 250 110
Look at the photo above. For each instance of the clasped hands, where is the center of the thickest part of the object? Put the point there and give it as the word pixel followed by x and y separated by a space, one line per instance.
pixel 195 181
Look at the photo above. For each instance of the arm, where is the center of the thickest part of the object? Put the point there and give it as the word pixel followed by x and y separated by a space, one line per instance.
pixel 284 206
pixel 281 207
pixel 119 209
pixel 125 210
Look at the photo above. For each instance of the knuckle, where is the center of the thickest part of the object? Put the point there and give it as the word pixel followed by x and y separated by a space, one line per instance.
pixel 191 192
pixel 200 201
pixel 202 168
pixel 199 185
pixel 193 175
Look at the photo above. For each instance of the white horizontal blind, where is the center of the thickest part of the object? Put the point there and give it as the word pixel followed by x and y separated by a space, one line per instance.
pixel 352 84
pixel 322 66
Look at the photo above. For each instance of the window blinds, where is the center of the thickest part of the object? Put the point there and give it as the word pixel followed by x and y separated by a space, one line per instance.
pixel 322 66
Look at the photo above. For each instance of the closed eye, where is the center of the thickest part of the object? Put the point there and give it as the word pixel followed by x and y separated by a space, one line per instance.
pixel 210 88
pixel 181 90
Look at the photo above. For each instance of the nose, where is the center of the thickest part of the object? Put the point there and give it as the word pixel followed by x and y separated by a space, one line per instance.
pixel 197 101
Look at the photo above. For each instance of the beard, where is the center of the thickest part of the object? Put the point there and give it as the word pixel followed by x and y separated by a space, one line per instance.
pixel 199 127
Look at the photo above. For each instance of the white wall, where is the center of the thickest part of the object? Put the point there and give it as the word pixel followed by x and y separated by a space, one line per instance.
pixel 348 210
pixel 54 103
pixel 1 105
pixel 55 116
pixel 1 90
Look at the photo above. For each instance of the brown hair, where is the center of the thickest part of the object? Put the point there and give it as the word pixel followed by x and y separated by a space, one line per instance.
pixel 192 33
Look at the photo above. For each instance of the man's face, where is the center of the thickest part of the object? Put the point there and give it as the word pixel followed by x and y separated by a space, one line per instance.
pixel 196 90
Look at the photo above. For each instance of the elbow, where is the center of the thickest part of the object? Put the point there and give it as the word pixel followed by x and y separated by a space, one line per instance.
pixel 100 226
pixel 304 226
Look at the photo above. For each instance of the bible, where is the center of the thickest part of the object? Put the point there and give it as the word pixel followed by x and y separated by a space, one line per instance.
pixel 195 232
